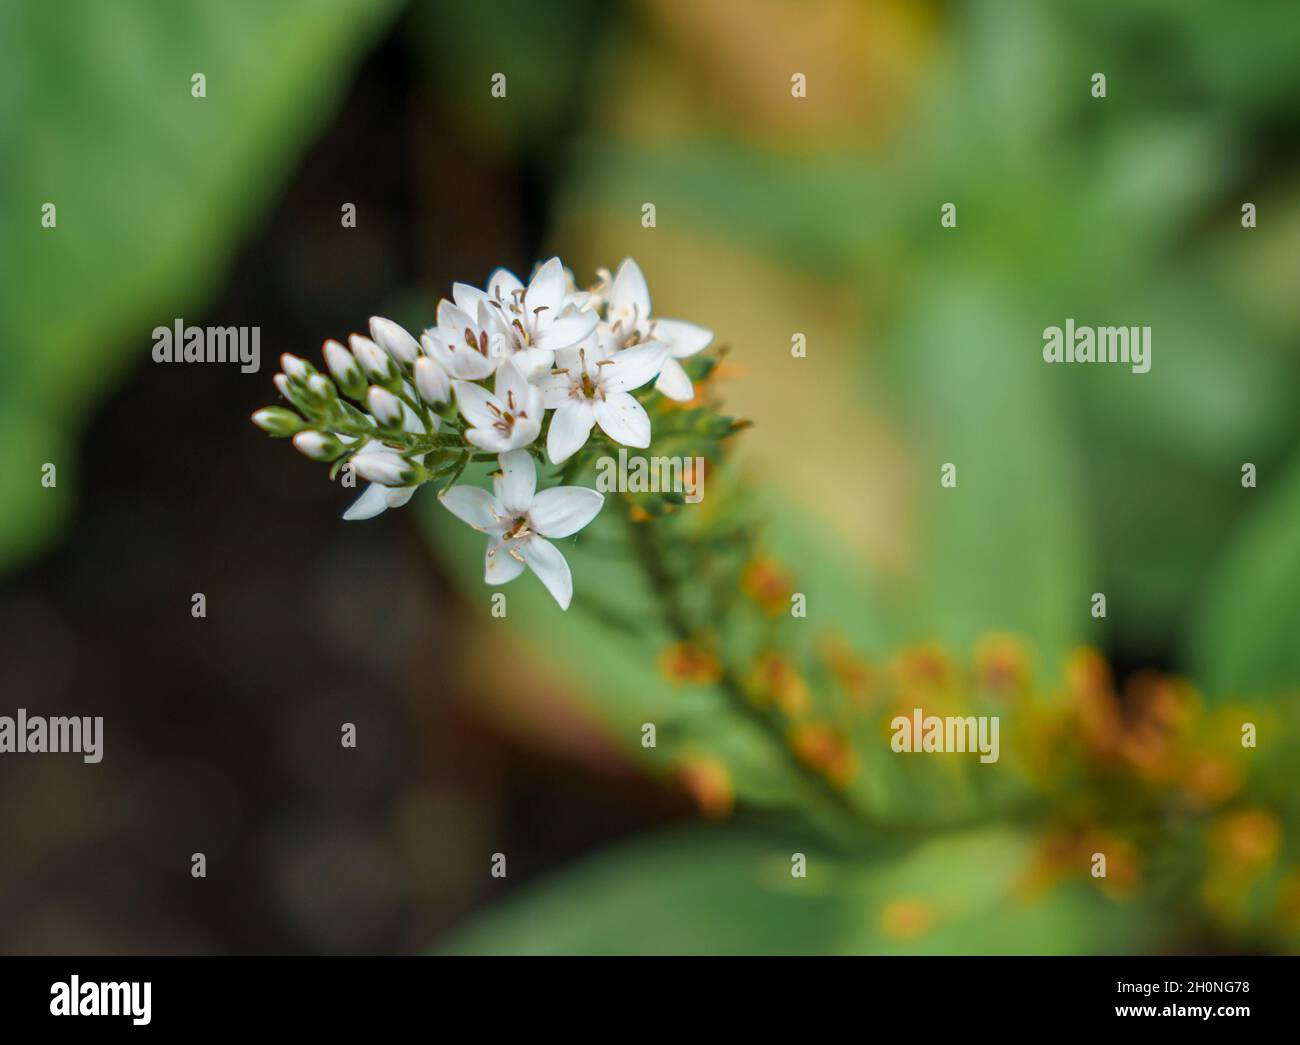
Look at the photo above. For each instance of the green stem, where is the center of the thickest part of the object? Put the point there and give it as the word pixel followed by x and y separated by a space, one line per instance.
pixel 664 586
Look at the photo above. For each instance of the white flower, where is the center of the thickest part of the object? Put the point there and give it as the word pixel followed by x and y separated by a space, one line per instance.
pixel 540 319
pixel 518 519
pixel 506 421
pixel 590 385
pixel 468 343
pixel 629 320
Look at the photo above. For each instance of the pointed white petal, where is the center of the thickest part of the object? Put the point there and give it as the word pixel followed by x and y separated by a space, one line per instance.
pixel 570 425
pixel 545 560
pixel 555 389
pixel 463 363
pixel 372 502
pixel 682 338
pixel 489 439
pixel 673 382
pixel 503 284
pixel 564 510
pixel 467 298
pixel 623 419
pixel 476 403
pixel 568 330
pixel 473 505
pixel 629 293
pixel 534 363
pixel 513 391
pixel 518 481
pixel 499 565
pixel 546 290
pixel 632 367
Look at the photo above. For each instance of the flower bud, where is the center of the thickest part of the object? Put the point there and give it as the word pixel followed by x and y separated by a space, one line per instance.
pixel 394 340
pixel 278 421
pixel 345 370
pixel 431 381
pixel 319 446
pixel 377 364
pixel 386 407
pixel 296 369
pixel 296 394
pixel 384 467
pixel 321 387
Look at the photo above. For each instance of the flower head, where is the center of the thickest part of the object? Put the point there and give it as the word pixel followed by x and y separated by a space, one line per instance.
pixel 590 385
pixel 518 519
pixel 538 319
pixel 507 420
pixel 629 322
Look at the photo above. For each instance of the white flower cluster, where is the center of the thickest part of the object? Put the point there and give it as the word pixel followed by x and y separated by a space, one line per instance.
pixel 428 409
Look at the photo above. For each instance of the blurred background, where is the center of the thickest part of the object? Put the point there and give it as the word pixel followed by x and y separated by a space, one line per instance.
pixel 776 216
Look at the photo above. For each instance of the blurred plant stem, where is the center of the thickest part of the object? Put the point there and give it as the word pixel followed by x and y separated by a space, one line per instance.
pixel 646 540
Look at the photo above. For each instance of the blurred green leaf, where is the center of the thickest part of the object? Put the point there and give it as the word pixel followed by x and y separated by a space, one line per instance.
pixel 154 189
pixel 613 670
pixel 1243 641
pixel 546 53
pixel 1005 549
pixel 729 890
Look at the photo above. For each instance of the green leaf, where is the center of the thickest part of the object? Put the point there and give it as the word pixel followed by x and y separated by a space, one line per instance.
pixel 605 647
pixel 1244 638
pixel 730 890
pixel 154 189
pixel 1004 549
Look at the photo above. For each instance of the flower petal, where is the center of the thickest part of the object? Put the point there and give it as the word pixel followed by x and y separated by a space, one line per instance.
pixel 629 295
pixel 546 290
pixel 476 403
pixel 372 502
pixel 518 481
pixel 632 367
pixel 473 505
pixel 499 566
pixel 674 383
pixel 568 330
pixel 570 425
pixel 502 284
pixel 515 393
pixel 490 439
pixel 546 560
pixel 623 419
pixel 467 298
pixel 564 510
pixel 533 363
pixel 462 363
pixel 682 338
